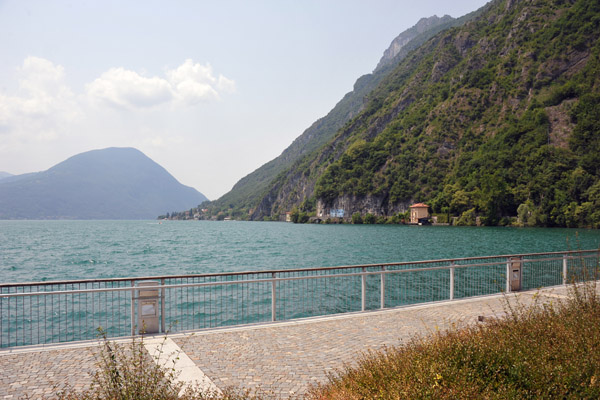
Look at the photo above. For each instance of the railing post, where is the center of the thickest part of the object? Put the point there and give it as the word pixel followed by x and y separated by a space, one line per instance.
pixel 382 301
pixel 363 290
pixel 133 308
pixel 522 264
pixel 452 280
pixel 508 271
pixel 162 306
pixel 273 299
pixel 564 273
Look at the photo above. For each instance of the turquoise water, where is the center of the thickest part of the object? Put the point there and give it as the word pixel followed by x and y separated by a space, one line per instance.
pixel 33 251
pixel 58 250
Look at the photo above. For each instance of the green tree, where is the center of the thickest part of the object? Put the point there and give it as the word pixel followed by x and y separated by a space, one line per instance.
pixel 523 213
pixel 295 215
pixel 369 219
pixel 468 218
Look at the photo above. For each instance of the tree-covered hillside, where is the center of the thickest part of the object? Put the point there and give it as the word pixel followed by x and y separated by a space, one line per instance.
pixel 247 194
pixel 498 118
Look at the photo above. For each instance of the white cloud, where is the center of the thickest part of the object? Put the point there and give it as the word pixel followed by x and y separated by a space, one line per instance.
pixel 190 84
pixel 43 121
pixel 194 83
pixel 39 75
pixel 124 88
pixel 43 106
pixel 226 84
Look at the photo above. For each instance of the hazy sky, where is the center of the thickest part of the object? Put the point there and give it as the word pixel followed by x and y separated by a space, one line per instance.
pixel 209 90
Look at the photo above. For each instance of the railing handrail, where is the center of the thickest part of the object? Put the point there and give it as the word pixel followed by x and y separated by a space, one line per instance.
pixel 71 310
pixel 221 283
pixel 272 279
pixel 277 271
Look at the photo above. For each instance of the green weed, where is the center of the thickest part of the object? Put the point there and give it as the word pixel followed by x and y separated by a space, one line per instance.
pixel 547 350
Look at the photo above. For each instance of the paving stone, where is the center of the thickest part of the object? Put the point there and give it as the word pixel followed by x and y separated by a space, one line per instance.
pixel 35 374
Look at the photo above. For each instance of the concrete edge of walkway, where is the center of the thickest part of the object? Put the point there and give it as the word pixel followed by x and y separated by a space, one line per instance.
pixel 166 353
pixel 266 325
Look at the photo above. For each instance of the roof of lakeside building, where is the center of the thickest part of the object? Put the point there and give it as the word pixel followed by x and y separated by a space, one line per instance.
pixel 419 205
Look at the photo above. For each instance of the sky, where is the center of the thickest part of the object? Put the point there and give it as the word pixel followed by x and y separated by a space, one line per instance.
pixel 210 90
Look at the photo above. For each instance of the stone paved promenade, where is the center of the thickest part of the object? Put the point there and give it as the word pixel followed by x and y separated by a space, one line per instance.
pixel 283 359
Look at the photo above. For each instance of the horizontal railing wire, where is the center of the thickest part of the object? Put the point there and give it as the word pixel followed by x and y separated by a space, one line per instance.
pixel 50 312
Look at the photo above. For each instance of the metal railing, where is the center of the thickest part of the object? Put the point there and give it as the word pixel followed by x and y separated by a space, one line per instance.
pixel 50 312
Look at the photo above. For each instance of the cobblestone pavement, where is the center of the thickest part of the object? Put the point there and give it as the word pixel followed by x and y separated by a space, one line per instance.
pixel 286 359
pixel 41 373
pixel 282 359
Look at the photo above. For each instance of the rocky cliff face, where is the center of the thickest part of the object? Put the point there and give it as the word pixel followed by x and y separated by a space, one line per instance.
pixel 424 25
pixel 370 204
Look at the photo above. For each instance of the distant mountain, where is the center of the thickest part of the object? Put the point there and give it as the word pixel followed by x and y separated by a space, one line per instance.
pixel 5 175
pixel 250 191
pixel 113 183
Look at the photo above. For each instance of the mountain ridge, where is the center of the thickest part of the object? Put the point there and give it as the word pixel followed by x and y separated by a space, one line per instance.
pixel 4 175
pixel 112 183
pixel 249 191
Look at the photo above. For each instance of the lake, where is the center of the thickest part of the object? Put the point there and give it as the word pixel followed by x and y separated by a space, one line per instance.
pixel 58 250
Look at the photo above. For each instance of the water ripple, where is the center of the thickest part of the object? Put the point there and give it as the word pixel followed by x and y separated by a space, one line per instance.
pixel 52 250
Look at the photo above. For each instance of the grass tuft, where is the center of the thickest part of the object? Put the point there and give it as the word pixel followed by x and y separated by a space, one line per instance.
pixel 547 350
pixel 129 372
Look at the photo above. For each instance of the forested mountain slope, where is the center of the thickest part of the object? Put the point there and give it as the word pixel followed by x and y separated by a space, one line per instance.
pixel 497 118
pixel 249 191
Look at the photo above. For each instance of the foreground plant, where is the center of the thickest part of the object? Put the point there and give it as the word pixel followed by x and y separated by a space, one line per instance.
pixel 129 372
pixel 549 350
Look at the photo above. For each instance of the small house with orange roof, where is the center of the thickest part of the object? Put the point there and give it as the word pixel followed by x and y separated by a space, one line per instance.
pixel 418 212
